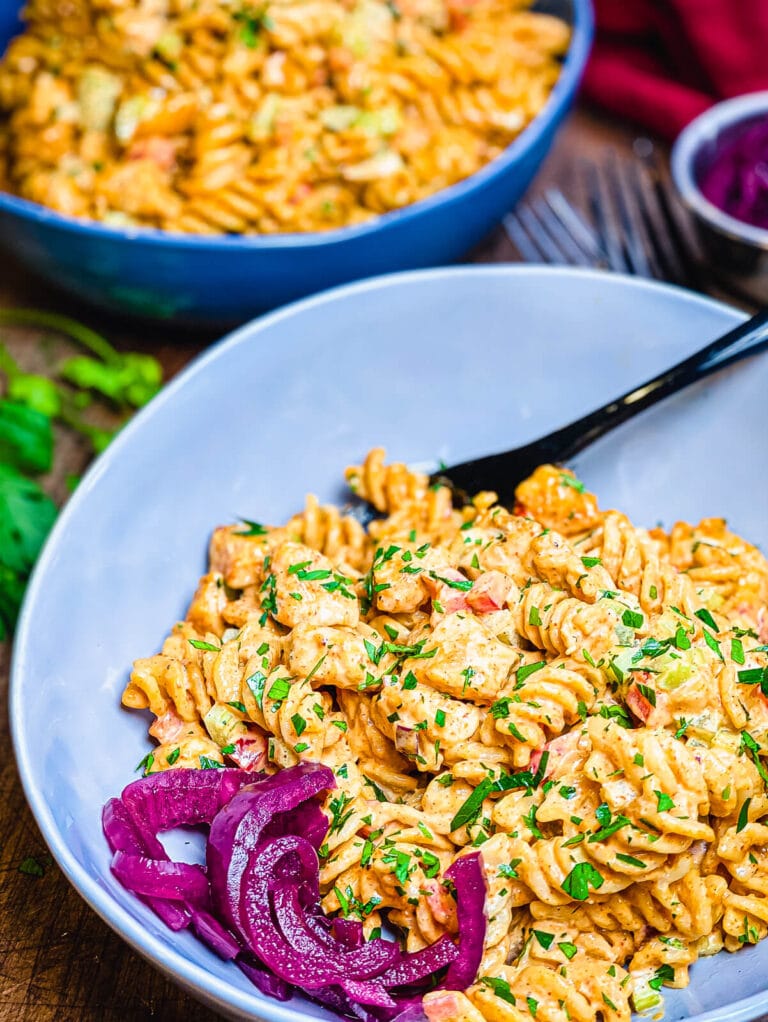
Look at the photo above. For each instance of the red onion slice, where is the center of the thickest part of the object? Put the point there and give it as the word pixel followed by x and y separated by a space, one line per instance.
pixel 468 879
pixel 161 878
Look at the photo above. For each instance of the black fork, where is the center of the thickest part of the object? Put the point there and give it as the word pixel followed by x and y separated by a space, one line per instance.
pixel 503 472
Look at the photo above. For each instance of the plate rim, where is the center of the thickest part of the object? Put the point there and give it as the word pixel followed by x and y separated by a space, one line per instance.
pixel 162 954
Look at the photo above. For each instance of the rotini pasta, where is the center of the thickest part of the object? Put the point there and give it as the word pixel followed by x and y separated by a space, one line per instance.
pixel 228 116
pixel 583 700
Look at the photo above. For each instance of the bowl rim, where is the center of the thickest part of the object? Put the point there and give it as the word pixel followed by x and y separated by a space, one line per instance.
pixel 162 953
pixel 685 149
pixel 582 28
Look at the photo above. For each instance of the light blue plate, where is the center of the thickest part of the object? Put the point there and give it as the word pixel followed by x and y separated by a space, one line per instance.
pixel 440 364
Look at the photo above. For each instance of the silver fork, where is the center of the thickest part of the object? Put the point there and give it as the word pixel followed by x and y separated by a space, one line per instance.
pixel 625 221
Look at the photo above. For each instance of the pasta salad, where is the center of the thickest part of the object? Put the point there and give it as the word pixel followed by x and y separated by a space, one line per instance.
pixel 581 701
pixel 228 116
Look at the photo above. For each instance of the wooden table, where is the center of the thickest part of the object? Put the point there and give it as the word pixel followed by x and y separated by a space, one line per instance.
pixel 58 961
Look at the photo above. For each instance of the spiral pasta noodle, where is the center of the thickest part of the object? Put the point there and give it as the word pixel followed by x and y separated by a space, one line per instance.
pixel 583 700
pixel 232 117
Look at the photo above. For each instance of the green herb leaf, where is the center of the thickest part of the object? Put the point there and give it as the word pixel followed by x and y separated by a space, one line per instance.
pixel 751 676
pixel 743 815
pixel 207 647
pixel 509 869
pixel 528 669
pixel 632 619
pixel 500 987
pixel 469 810
pixel 572 482
pixel 256 684
pixel 647 692
pixel 31 867
pixel 26 438
pixel 279 688
pixel 299 724
pixel 713 644
pixel 664 974
pixel 630 860
pixel 583 876
pixel 252 528
pixel 663 801
pixel 464 585
pixel 705 616
pixel 26 517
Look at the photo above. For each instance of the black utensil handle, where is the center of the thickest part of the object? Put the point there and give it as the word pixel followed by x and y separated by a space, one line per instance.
pixel 747 339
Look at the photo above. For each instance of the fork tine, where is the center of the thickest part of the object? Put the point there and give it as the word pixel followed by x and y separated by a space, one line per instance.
pixel 575 255
pixel 604 217
pixel 679 243
pixel 581 232
pixel 667 265
pixel 626 206
pixel 518 235
pixel 553 252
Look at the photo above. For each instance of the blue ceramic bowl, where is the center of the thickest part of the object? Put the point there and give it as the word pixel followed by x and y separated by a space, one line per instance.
pixel 116 572
pixel 228 279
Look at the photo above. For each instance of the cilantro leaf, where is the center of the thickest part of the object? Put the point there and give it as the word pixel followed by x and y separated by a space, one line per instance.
pixel 26 438
pixel 12 586
pixel 26 517
pixel 129 379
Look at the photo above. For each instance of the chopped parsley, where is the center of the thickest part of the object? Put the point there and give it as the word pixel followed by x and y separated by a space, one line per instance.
pixel 279 688
pixel 572 482
pixel 339 812
pixel 299 724
pixel 509 869
pixel 145 765
pixel 632 619
pixel 663 801
pixel 630 860
pixel 705 616
pixel 527 670
pixel 207 647
pixel 664 974
pixel 743 815
pixel 253 529
pixel 500 987
pixel 647 693
pixel 583 876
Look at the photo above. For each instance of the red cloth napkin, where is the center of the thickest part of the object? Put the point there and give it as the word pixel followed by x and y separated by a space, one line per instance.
pixel 662 62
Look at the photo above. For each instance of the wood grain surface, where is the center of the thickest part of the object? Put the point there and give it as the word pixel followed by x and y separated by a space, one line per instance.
pixel 58 961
